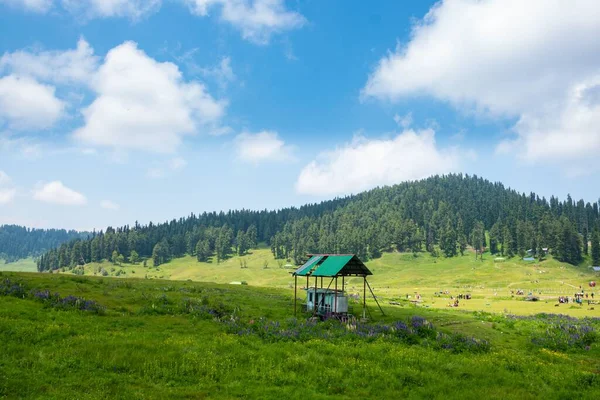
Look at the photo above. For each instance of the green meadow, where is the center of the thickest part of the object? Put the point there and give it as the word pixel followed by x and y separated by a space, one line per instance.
pixel 182 330
pixel 151 338
pixel 22 265
pixel 493 285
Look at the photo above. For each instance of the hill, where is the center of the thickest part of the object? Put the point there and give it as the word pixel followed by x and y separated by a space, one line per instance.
pixel 93 337
pixel 438 215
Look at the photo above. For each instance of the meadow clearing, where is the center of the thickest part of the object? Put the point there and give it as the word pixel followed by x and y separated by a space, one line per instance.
pixel 396 275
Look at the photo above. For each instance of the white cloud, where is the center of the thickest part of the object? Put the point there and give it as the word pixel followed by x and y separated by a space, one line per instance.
pixel 404 121
pixel 7 193
pixel 364 164
pixel 28 104
pixel 145 104
pixel 527 60
pixel 40 6
pixel 261 146
pixel 256 19
pixel 109 205
pixel 57 193
pixel 222 73
pixel 133 9
pixel 65 67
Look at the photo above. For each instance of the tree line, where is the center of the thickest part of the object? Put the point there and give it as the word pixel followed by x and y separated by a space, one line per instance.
pixel 442 215
pixel 17 242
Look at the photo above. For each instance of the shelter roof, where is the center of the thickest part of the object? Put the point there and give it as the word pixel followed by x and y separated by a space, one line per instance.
pixel 330 265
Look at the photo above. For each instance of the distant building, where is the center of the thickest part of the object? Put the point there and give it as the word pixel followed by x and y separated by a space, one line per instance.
pixel 596 269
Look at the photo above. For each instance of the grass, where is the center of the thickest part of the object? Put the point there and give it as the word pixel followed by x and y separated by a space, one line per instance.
pixel 146 345
pixel 22 265
pixel 398 275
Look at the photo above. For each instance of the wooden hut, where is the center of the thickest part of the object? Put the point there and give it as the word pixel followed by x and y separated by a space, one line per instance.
pixel 325 295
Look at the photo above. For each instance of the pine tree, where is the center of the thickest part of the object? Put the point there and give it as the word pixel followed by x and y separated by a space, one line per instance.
pixel 448 239
pixel 134 257
pixel 478 238
pixel 507 246
pixel 241 242
pixel 202 250
pixel 596 247
pixel 462 238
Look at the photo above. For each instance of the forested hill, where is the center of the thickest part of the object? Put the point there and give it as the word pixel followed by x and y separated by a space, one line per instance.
pixel 441 215
pixel 18 242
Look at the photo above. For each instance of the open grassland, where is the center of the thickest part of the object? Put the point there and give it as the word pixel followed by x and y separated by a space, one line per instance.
pixel 23 265
pixel 398 277
pixel 171 339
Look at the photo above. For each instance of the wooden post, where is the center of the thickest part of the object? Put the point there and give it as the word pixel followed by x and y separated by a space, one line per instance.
pixel 335 297
pixel 315 298
pixel 364 296
pixel 342 284
pixel 295 293
pixel 375 298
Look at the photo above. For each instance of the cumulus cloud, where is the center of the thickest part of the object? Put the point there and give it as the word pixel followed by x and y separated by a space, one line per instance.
pixel 145 104
pixel 535 61
pixel 64 67
pixel 109 205
pixel 56 193
pixel 366 163
pixel 133 9
pixel 39 6
pixel 256 19
pixel 28 104
pixel 261 146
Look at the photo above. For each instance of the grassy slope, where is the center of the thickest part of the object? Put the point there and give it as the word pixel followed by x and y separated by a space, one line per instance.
pixel 397 275
pixel 125 354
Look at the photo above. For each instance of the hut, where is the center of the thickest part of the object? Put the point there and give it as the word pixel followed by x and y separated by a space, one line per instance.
pixel 330 300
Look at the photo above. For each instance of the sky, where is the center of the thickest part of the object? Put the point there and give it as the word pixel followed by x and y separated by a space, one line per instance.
pixel 116 111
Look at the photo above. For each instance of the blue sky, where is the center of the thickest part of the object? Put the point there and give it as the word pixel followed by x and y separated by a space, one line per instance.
pixel 124 110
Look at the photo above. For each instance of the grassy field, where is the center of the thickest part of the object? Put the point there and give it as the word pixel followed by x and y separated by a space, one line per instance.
pixel 177 339
pixel 398 275
pixel 23 265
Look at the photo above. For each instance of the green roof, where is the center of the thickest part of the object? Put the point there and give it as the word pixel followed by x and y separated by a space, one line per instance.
pixel 332 265
pixel 307 267
pixel 336 265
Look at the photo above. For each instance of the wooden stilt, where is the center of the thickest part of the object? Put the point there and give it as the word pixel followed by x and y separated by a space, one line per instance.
pixel 374 298
pixel 335 297
pixel 315 298
pixel 364 296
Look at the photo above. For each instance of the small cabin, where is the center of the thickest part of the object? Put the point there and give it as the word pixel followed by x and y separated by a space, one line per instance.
pixel 325 283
